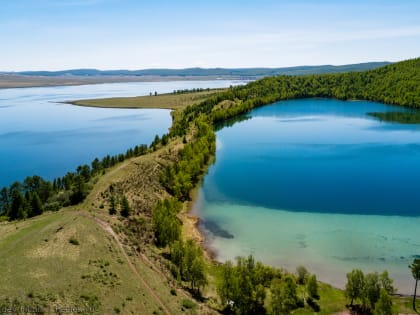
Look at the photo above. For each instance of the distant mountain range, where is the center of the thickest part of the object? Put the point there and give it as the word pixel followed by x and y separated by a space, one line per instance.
pixel 202 72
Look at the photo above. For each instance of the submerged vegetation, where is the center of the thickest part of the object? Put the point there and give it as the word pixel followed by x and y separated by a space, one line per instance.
pixel 412 117
pixel 247 287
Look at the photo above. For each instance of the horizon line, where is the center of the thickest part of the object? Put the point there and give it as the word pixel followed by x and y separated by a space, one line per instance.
pixel 201 68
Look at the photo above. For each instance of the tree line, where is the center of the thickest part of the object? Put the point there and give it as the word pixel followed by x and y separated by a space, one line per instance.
pixel 397 84
pixel 372 290
pixel 250 287
pixel 184 174
pixel 35 195
pixel 194 90
pixel 186 257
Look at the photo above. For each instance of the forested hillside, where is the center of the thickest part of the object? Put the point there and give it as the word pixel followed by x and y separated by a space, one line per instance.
pixel 397 83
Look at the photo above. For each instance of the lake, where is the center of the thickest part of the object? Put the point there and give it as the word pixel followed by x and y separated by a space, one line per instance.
pixel 316 182
pixel 41 136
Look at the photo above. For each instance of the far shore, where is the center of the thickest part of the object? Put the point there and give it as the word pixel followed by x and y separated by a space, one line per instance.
pixel 162 101
pixel 9 81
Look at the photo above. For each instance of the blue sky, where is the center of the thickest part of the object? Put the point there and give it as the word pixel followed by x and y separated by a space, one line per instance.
pixel 130 34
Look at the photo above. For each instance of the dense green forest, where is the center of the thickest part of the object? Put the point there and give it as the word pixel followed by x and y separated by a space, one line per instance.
pixel 397 84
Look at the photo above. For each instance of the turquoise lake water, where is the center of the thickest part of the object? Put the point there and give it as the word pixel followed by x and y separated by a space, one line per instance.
pixel 320 183
pixel 41 136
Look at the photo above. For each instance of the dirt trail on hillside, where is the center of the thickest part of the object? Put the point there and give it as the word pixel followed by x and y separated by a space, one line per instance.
pixel 108 229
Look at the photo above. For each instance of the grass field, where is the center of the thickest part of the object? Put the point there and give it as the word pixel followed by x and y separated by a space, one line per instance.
pixel 165 101
pixel 64 259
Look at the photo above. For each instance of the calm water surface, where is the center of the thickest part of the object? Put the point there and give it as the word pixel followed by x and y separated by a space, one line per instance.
pixel 40 136
pixel 316 182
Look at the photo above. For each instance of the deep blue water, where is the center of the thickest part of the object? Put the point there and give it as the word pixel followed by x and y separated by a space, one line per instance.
pixel 40 136
pixel 318 155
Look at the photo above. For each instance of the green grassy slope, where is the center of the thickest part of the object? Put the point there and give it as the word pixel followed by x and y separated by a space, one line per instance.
pixel 41 268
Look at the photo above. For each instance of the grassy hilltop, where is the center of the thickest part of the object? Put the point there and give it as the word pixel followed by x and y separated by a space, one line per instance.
pixel 82 256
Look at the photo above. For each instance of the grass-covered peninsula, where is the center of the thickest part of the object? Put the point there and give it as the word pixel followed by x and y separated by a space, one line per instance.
pixel 125 243
pixel 176 100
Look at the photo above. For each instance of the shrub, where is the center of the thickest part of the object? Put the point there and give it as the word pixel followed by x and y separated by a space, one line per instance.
pixel 188 304
pixel 74 241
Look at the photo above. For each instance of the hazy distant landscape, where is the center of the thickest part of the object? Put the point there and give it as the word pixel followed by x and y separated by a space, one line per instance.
pixel 93 76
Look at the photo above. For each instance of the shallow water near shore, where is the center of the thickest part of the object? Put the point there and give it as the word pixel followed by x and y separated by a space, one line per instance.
pixel 319 183
pixel 327 244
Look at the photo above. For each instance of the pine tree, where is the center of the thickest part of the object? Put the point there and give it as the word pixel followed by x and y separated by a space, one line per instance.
pixel 354 285
pixel 112 205
pixel 36 204
pixel 17 206
pixel 125 207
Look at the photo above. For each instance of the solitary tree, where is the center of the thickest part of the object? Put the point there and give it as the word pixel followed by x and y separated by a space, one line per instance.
pixel 36 204
pixel 112 206
pixel 415 270
pixel 371 290
pixel 226 283
pixel 355 284
pixel 125 207
pixel 17 206
pixel 197 274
